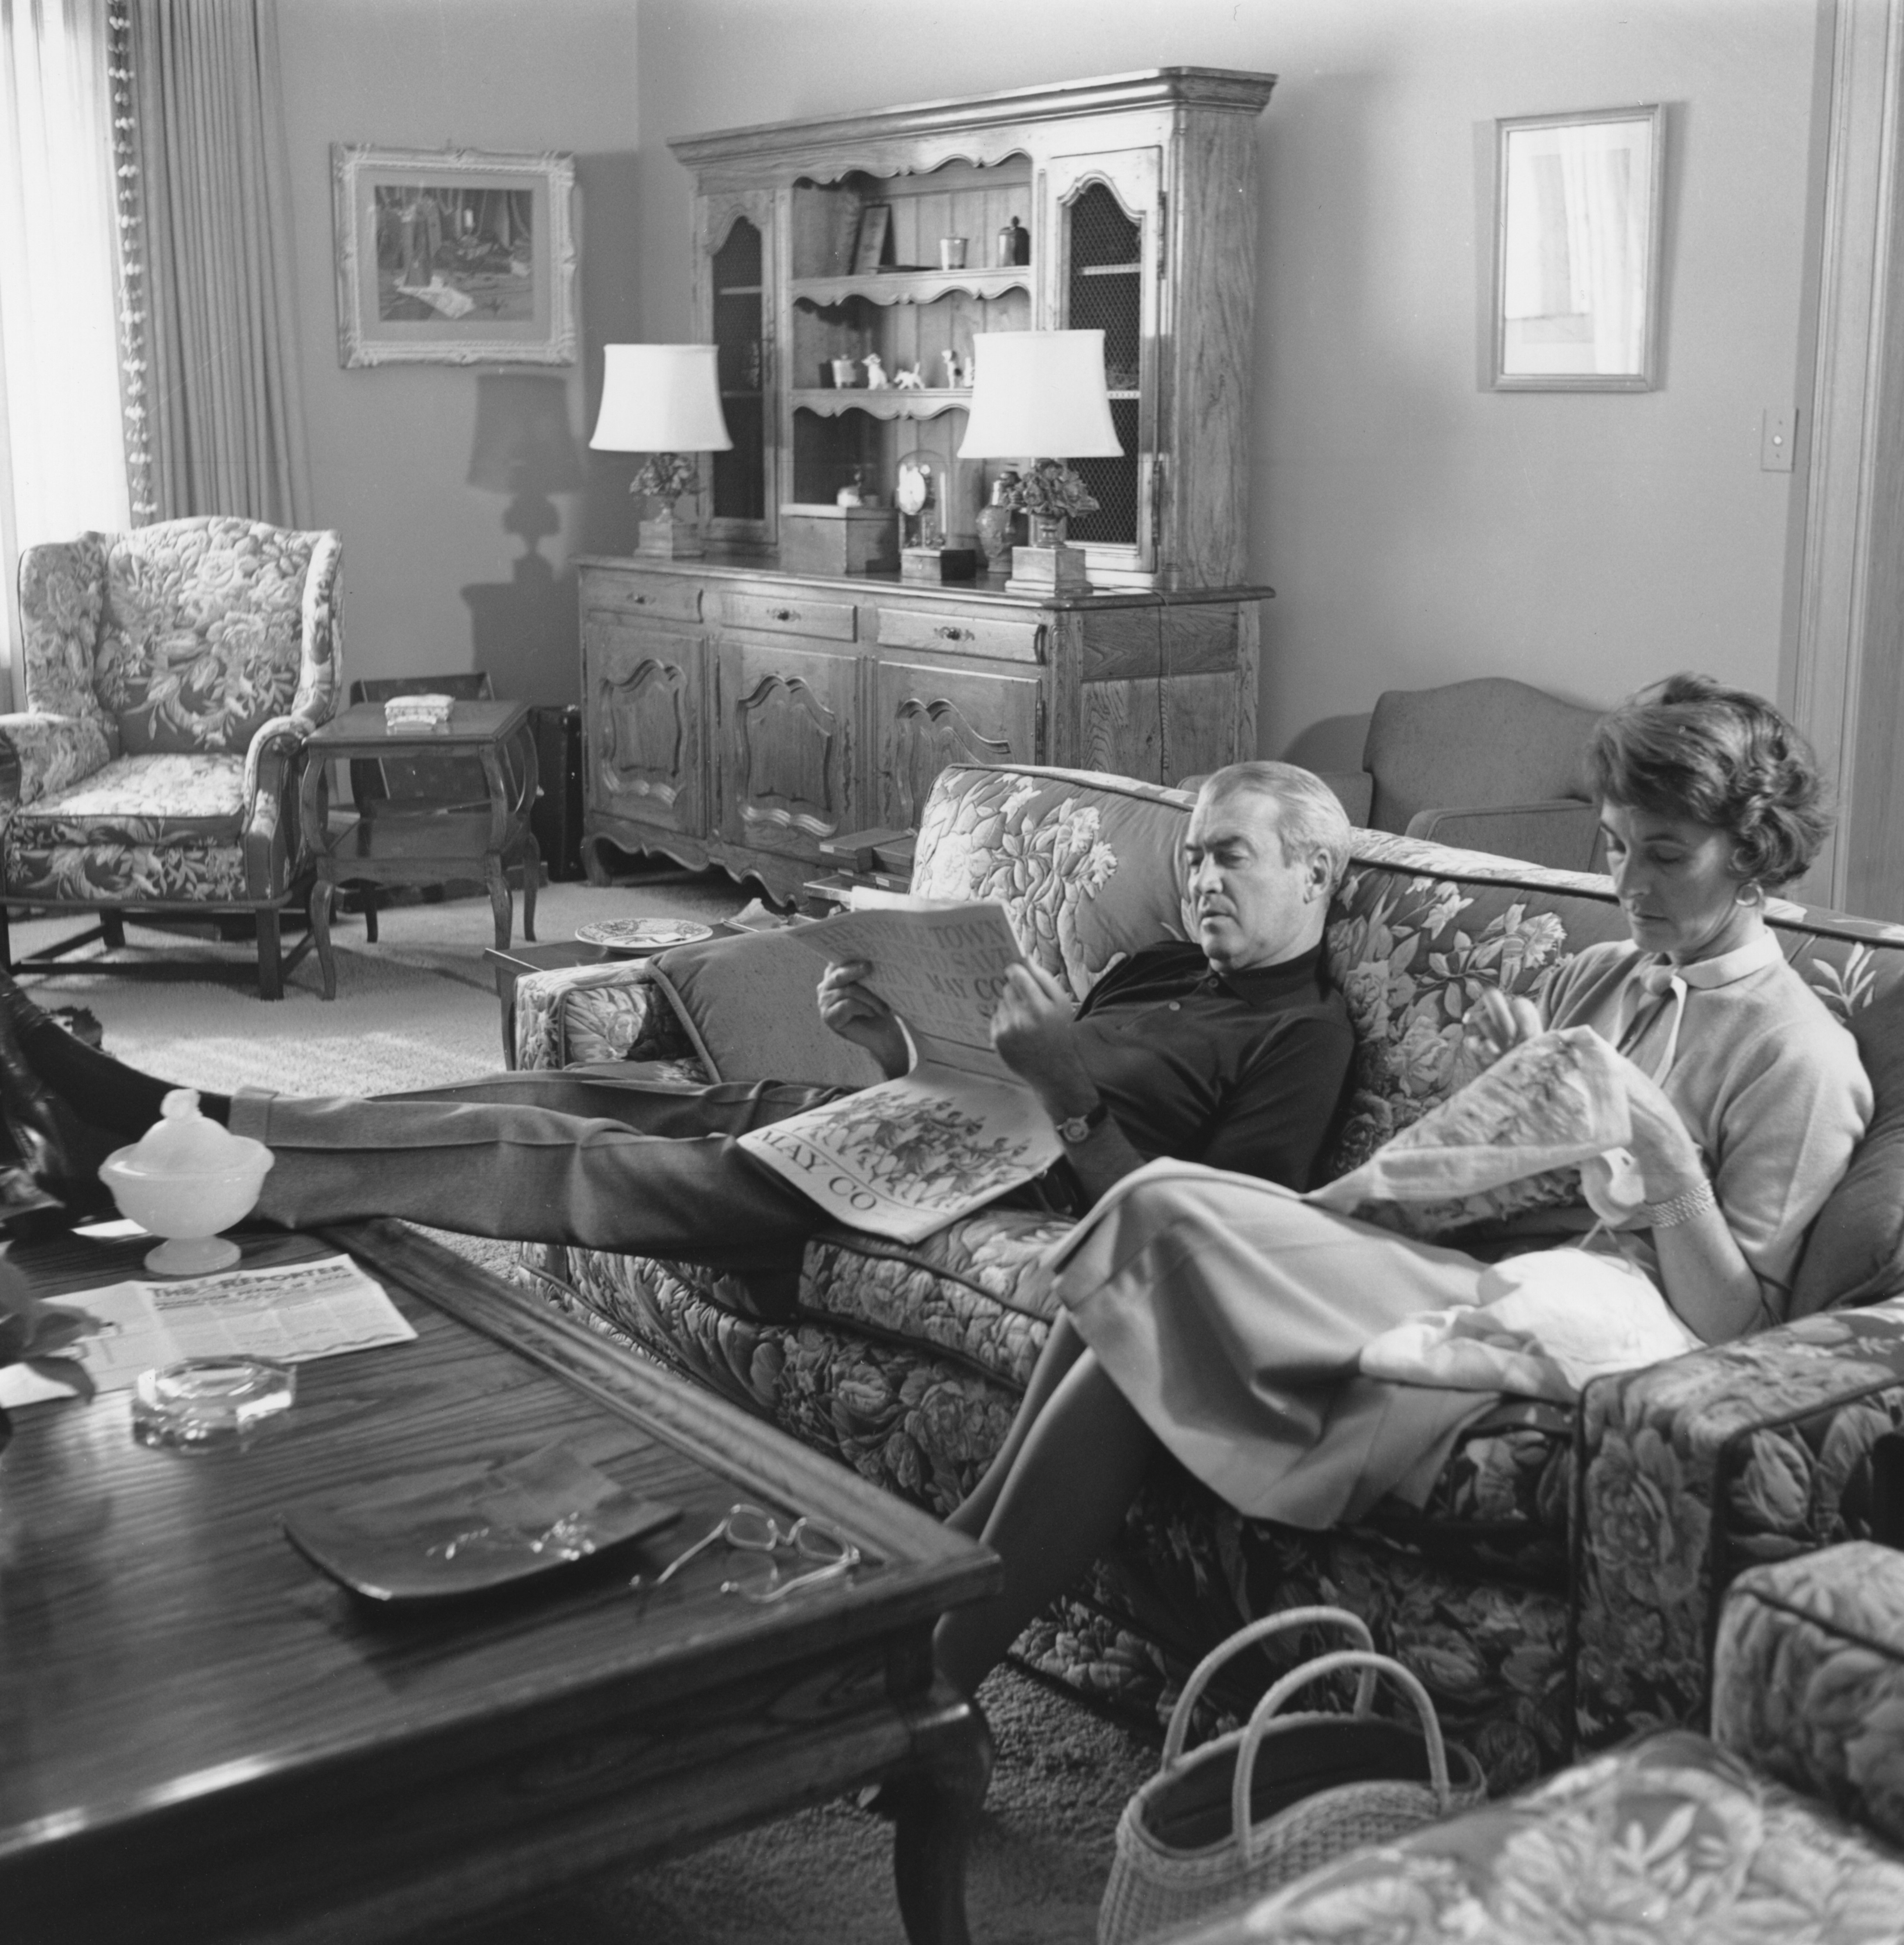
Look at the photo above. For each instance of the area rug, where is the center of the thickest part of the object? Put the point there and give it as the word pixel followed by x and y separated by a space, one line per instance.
pixel 418 1009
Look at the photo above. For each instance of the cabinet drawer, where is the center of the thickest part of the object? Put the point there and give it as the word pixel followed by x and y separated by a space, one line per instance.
pixel 790 614
pixel 962 634
pixel 665 601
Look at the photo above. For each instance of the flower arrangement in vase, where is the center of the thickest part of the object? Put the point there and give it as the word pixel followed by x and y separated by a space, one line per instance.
pixel 1049 493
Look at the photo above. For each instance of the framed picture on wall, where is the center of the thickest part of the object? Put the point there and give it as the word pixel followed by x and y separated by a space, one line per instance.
pixel 453 257
pixel 1578 205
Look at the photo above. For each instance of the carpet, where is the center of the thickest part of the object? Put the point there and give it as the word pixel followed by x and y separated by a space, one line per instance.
pixel 419 1008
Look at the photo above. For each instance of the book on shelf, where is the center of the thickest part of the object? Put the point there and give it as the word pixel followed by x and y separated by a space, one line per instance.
pixel 904 1158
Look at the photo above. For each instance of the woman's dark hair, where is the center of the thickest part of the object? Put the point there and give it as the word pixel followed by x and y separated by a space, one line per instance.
pixel 1689 748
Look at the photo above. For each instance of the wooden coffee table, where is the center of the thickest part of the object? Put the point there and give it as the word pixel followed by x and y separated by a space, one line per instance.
pixel 395 841
pixel 203 1739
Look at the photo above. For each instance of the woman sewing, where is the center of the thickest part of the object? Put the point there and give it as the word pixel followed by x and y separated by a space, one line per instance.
pixel 1222 1319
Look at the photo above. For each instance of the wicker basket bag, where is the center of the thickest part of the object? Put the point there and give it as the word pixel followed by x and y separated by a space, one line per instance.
pixel 1256 1808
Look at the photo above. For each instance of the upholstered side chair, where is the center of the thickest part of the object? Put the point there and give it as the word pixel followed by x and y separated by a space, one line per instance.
pixel 172 675
pixel 1488 765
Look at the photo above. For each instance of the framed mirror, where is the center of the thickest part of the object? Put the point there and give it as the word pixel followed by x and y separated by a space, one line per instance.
pixel 1577 205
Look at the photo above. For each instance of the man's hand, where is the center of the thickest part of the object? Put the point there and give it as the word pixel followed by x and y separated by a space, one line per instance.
pixel 855 1013
pixel 1031 1028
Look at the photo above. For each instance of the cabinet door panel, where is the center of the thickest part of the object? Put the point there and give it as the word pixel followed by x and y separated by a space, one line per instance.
pixel 1104 215
pixel 786 736
pixel 642 709
pixel 930 717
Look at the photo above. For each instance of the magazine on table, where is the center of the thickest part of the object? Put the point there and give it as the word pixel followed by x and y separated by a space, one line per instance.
pixel 906 1157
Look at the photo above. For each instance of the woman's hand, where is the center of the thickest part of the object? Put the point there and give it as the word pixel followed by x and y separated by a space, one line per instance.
pixel 850 1008
pixel 1498 1022
pixel 1669 1158
pixel 1031 1028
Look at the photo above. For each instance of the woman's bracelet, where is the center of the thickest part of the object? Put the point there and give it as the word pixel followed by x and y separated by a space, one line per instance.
pixel 1682 1207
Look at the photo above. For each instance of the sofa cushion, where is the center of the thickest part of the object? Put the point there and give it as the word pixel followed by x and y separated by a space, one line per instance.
pixel 142 800
pixel 1856 1251
pixel 748 1005
pixel 1671 1840
pixel 1086 866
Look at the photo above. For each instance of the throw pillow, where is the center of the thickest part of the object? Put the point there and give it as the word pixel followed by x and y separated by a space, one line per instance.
pixel 748 1005
pixel 1855 1253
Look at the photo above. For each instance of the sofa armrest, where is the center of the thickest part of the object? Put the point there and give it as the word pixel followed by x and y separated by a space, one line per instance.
pixel 1354 789
pixel 610 1011
pixel 1689 1471
pixel 1562 832
pixel 40 754
pixel 1808 1679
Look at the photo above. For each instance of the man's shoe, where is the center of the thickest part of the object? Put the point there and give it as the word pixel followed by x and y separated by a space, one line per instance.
pixel 59 1152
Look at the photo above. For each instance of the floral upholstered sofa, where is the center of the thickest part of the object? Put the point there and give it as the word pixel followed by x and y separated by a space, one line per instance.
pixel 1559 1591
pixel 172 675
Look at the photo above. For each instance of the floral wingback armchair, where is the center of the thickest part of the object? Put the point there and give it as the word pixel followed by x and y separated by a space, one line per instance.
pixel 172 675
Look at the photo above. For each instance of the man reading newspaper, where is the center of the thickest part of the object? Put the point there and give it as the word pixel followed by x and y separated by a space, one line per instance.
pixel 1231 1051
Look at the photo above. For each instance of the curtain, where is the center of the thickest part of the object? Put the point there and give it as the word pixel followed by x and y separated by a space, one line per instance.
pixel 63 456
pixel 227 420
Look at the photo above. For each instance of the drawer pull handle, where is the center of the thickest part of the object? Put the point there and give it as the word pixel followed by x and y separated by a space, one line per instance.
pixel 787 614
pixel 952 634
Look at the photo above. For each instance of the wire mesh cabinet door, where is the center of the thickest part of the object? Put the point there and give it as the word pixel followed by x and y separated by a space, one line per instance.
pixel 1103 219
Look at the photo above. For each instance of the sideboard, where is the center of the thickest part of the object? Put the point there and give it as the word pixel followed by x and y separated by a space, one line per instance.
pixel 740 715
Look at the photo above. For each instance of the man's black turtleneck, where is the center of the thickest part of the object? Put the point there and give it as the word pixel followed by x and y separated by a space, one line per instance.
pixel 1239 1070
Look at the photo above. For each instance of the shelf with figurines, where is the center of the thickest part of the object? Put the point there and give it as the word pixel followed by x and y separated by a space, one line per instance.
pixel 864 384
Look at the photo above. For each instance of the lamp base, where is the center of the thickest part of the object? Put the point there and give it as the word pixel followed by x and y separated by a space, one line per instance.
pixel 938 563
pixel 1047 570
pixel 670 539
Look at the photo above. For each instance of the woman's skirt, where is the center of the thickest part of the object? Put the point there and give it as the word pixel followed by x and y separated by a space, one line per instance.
pixel 1231 1313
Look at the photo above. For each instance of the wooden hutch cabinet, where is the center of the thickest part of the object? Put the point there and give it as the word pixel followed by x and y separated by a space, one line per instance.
pixel 743 711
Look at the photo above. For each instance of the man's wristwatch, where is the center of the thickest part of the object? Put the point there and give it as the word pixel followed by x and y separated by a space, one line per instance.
pixel 1076 1128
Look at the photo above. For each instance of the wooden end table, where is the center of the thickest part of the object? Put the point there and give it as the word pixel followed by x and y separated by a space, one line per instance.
pixel 207 1741
pixel 419 842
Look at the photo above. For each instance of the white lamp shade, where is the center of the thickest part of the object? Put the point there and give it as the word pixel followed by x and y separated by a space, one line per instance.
pixel 1039 395
pixel 660 398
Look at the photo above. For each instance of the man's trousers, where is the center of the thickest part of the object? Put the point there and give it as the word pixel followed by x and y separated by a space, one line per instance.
pixel 578 1155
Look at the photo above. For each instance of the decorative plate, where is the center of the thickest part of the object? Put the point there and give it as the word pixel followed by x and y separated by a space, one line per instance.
pixel 641 934
pixel 469 1529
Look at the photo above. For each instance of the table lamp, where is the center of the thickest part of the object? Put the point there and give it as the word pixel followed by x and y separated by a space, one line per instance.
pixel 664 400
pixel 1036 394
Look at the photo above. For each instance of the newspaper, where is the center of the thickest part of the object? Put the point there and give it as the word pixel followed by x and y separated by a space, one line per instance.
pixel 296 1312
pixel 906 1157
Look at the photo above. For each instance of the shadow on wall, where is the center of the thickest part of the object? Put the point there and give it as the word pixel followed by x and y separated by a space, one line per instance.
pixel 1334 743
pixel 611 311
pixel 524 629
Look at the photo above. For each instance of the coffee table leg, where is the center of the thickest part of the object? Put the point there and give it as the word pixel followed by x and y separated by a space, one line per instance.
pixel 934 1807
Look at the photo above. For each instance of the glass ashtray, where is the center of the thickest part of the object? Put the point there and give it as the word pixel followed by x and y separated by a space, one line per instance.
pixel 202 1403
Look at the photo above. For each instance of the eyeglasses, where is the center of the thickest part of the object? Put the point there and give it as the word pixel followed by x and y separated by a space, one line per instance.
pixel 753 1530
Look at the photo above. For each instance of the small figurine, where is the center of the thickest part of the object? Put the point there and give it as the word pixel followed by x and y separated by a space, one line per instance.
pixel 907 379
pixel 958 373
pixel 875 378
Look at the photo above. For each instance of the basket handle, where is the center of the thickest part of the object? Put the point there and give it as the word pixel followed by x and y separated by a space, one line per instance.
pixel 1353 1625
pixel 1261 1717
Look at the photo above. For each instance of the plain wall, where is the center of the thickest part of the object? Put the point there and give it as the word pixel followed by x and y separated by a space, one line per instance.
pixel 435 580
pixel 1418 527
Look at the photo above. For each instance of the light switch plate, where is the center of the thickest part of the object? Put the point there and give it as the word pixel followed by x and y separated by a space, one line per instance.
pixel 1778 434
